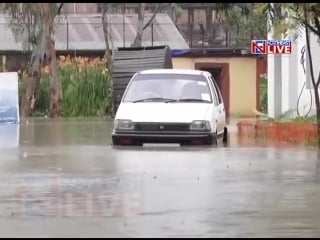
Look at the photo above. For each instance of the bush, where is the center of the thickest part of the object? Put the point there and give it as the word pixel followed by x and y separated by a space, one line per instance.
pixel 264 93
pixel 85 88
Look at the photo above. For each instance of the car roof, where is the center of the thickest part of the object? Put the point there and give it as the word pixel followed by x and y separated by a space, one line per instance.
pixel 173 71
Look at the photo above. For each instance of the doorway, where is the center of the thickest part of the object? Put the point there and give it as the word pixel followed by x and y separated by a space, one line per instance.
pixel 220 72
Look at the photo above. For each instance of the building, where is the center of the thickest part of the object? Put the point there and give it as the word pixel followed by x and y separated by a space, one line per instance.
pixel 80 8
pixel 290 89
pixel 199 28
pixel 82 34
pixel 236 72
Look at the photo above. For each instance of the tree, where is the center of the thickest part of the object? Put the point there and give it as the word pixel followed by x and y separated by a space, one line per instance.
pixel 223 16
pixel 222 10
pixel 48 13
pixel 209 23
pixel 141 27
pixel 108 54
pixel 245 23
pixel 138 39
pixel 25 23
pixel 176 11
pixel 292 17
pixel 32 25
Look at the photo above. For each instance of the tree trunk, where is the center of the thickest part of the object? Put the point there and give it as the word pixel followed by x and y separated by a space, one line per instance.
pixel 150 22
pixel 315 83
pixel 54 104
pixel 227 37
pixel 316 95
pixel 191 25
pixel 138 40
pixel 33 81
pixel 49 57
pixel 108 55
pixel 209 24
pixel 170 12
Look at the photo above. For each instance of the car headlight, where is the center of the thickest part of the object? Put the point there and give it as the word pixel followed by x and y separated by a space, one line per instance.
pixel 123 124
pixel 200 125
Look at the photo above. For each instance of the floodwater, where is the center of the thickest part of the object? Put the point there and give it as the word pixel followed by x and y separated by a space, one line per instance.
pixel 63 179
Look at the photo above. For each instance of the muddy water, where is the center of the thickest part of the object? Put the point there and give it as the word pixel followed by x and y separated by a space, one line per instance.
pixel 63 179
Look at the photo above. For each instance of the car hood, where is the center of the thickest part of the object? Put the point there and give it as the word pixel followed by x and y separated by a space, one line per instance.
pixel 162 112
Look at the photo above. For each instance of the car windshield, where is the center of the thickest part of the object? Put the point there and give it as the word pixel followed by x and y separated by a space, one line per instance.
pixel 168 88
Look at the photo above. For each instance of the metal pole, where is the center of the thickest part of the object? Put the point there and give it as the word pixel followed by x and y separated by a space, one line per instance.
pixel 277 71
pixel 192 22
pixel 152 34
pixel 190 31
pixel 124 24
pixel 67 34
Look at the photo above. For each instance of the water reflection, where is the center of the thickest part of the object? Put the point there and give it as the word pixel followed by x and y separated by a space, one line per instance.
pixel 9 135
pixel 66 173
pixel 58 196
pixel 49 132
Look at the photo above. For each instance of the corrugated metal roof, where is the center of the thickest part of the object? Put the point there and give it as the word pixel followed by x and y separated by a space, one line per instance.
pixel 84 32
pixel 211 52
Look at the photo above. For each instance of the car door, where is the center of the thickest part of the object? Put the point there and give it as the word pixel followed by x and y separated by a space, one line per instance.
pixel 220 106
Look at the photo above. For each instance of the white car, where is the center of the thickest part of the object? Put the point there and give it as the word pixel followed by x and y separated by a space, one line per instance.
pixel 170 106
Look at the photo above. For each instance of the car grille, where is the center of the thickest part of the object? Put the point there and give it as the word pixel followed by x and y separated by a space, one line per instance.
pixel 168 127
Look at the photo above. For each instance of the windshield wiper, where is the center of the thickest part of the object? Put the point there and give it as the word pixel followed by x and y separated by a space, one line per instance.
pixel 158 99
pixel 193 100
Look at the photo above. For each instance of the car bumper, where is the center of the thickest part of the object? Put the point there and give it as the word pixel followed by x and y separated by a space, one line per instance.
pixel 188 137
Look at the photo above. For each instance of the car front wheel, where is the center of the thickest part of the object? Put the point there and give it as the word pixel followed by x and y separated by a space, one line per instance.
pixel 211 141
pixel 214 140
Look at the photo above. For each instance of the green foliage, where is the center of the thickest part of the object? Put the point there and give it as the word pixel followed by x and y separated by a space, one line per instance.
pixel 244 22
pixel 292 17
pixel 264 93
pixel 235 115
pixel 305 119
pixel 177 10
pixel 25 23
pixel 290 116
pixel 86 91
pixel 287 20
pixel 32 25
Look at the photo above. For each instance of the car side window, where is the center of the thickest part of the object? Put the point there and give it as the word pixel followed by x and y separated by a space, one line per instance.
pixel 217 90
pixel 214 92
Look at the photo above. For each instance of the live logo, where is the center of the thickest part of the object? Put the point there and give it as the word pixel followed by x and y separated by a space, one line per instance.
pixel 278 49
pixel 271 47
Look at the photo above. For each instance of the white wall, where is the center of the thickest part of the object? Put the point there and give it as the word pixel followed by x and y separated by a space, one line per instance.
pixel 285 83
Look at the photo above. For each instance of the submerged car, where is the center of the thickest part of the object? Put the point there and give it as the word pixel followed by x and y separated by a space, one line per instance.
pixel 170 106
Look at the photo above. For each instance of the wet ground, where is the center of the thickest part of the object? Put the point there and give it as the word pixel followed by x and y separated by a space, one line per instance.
pixel 63 179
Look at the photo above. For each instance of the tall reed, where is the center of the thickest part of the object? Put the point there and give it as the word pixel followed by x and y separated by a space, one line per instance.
pixel 85 88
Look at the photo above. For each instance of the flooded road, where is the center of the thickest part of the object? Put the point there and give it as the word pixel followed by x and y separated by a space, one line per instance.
pixel 63 179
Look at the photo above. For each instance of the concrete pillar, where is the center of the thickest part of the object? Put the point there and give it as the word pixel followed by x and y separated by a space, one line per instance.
pixel 293 75
pixel 290 76
pixel 274 81
pixel 277 85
